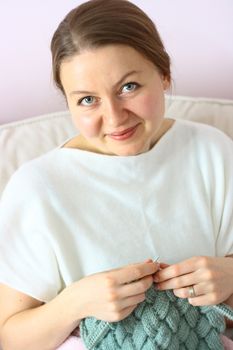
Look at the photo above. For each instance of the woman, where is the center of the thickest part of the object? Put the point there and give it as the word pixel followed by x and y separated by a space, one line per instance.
pixel 78 238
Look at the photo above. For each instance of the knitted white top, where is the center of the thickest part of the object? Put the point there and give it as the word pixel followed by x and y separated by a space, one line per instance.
pixel 71 213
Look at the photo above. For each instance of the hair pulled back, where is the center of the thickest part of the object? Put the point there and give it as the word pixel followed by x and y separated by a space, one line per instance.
pixel 97 23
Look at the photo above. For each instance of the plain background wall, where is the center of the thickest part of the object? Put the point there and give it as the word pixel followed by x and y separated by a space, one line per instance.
pixel 197 34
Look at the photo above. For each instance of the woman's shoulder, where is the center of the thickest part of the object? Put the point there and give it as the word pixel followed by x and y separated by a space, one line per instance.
pixel 31 175
pixel 211 146
pixel 203 132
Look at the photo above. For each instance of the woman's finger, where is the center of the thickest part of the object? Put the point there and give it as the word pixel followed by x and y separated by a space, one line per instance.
pixel 134 272
pixel 204 300
pixel 194 291
pixel 131 301
pixel 180 282
pixel 136 287
pixel 163 265
pixel 182 268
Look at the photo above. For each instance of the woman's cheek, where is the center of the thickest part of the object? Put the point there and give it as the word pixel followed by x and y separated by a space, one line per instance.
pixel 86 125
pixel 147 106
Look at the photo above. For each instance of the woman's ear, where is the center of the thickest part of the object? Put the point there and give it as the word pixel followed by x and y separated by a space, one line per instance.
pixel 166 83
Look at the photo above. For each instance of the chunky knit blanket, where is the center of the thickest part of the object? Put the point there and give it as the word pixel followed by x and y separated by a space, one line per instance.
pixel 162 321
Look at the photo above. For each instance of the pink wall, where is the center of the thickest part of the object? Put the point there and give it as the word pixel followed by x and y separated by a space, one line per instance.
pixel 197 33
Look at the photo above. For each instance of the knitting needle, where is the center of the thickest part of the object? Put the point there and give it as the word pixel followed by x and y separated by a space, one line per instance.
pixel 156 260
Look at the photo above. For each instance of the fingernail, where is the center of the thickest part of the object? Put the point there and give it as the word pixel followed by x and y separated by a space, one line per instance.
pixel 148 261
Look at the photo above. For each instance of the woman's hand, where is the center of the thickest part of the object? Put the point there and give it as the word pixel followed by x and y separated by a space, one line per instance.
pixel 113 295
pixel 203 280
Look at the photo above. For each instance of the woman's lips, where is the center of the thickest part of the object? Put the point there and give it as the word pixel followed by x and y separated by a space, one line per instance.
pixel 123 135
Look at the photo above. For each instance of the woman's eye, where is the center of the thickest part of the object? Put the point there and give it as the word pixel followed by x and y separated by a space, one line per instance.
pixel 129 87
pixel 86 101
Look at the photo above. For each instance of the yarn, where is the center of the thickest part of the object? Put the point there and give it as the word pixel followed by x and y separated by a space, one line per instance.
pixel 161 321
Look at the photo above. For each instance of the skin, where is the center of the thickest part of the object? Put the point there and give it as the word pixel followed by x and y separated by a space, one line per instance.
pixel 123 90
pixel 38 325
pixel 211 277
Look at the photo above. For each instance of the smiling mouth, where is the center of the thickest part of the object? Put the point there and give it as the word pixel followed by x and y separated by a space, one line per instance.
pixel 123 135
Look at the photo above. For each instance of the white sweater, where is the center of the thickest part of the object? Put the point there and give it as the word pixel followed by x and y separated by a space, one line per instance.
pixel 71 213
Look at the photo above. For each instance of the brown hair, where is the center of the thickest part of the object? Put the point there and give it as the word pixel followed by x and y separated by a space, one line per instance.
pixel 96 23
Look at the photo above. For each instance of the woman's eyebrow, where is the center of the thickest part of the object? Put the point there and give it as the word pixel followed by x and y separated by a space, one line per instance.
pixel 126 75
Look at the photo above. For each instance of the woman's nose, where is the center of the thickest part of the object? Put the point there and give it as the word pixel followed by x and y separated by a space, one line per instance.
pixel 114 113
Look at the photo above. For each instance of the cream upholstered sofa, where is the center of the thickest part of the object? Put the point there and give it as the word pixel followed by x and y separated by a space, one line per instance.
pixel 26 139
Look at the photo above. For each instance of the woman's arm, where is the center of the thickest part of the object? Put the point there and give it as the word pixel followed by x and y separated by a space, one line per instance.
pixel 229 301
pixel 26 323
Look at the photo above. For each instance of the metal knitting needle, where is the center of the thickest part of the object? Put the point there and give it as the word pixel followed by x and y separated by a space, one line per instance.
pixel 156 260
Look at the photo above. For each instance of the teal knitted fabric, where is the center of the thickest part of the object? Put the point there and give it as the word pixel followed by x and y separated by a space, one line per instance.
pixel 162 321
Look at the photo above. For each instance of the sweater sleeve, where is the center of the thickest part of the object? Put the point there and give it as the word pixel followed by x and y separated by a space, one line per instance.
pixel 28 262
pixel 223 198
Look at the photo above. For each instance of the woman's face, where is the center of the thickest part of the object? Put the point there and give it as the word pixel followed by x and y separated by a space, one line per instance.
pixel 116 99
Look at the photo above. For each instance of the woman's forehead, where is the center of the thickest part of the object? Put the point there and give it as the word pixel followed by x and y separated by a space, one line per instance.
pixel 111 62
